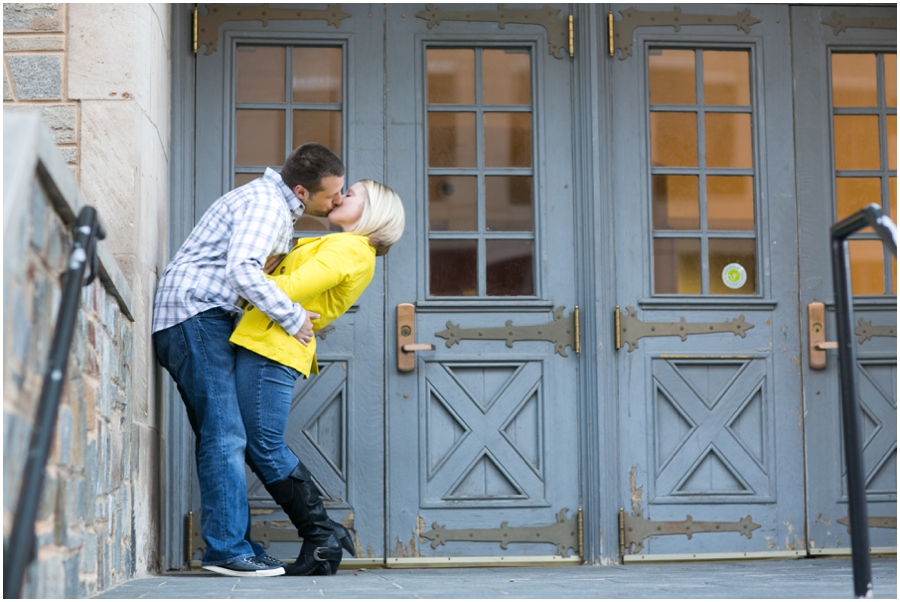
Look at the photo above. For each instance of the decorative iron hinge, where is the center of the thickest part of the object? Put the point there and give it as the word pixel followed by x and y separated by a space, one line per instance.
pixel 874 522
pixel 632 19
pixel 633 530
pixel 559 33
pixel 865 331
pixel 564 533
pixel 207 26
pixel 563 332
pixel 839 23
pixel 630 329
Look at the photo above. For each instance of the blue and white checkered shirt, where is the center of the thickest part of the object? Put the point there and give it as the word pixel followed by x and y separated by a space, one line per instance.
pixel 222 259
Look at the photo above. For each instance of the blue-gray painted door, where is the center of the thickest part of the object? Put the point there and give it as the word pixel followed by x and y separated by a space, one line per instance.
pixel 482 444
pixel 711 424
pixel 845 86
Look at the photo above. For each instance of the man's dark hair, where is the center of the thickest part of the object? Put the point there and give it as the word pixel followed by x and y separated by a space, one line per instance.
pixel 308 164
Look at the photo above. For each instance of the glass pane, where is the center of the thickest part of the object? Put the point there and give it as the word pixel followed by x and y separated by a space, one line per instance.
pixel 507 139
pixel 729 203
pixel 852 194
pixel 318 74
pixel 510 267
pixel 260 74
pixel 323 127
pixel 890 80
pixel 453 203
pixel 451 75
pixel 856 142
pixel 673 139
pixel 259 137
pixel 454 267
pixel 672 77
pixel 892 141
pixel 451 139
pixel 676 266
pixel 507 77
pixel 726 77
pixel 732 266
pixel 729 140
pixel 866 267
pixel 308 223
pixel 243 178
pixel 854 80
pixel 892 182
pixel 675 203
pixel 508 203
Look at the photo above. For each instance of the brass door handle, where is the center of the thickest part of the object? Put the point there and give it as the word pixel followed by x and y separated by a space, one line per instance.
pixel 818 359
pixel 406 338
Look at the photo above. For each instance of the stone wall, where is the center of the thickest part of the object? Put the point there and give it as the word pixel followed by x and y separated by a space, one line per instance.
pixel 99 77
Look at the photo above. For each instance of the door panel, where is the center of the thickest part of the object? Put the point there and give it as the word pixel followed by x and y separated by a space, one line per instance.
pixel 261 92
pixel 845 107
pixel 709 399
pixel 482 451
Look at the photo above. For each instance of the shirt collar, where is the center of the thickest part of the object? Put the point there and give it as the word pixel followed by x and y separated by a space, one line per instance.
pixel 295 205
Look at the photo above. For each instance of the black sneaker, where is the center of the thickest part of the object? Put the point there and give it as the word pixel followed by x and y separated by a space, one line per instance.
pixel 250 567
pixel 269 561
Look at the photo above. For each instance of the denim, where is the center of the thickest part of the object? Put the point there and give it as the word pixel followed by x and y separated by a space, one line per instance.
pixel 264 391
pixel 200 359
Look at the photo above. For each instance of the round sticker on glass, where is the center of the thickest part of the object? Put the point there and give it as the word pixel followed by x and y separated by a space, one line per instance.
pixel 734 275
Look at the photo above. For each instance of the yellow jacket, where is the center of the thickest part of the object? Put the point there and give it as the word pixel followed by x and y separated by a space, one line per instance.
pixel 325 275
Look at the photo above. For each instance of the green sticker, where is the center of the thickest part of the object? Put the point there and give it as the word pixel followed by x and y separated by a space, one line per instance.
pixel 734 275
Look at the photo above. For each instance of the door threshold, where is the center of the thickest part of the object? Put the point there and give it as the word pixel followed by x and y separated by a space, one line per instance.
pixel 632 558
pixel 480 561
pixel 874 551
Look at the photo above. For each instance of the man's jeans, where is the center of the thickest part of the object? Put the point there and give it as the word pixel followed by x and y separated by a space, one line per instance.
pixel 264 390
pixel 199 357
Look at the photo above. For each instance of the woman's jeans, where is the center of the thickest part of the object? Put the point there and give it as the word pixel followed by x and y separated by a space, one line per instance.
pixel 199 357
pixel 264 391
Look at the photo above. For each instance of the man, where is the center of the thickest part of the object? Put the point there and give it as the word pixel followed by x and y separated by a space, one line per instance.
pixel 198 298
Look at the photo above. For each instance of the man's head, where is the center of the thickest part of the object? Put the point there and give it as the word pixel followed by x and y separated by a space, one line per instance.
pixel 316 175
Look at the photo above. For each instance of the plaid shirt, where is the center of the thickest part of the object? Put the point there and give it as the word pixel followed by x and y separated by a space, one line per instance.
pixel 221 261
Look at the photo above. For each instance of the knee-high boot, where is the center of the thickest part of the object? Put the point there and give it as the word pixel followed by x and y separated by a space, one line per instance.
pixel 320 553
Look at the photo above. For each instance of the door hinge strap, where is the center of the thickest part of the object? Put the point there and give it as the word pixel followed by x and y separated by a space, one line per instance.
pixel 637 529
pixel 563 534
pixel 634 329
pixel 560 331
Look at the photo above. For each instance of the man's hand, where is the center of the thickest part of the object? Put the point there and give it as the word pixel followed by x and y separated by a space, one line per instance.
pixel 272 263
pixel 305 334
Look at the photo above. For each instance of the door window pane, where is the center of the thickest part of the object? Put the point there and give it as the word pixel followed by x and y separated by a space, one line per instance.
pixel 453 203
pixel 853 194
pixel 892 141
pixel 890 80
pixel 672 79
pixel 317 74
pixel 451 75
pixel 676 202
pixel 259 73
pixel 510 267
pixel 676 266
pixel 508 202
pixel 729 140
pixel 856 144
pixel 244 178
pixel 507 77
pixel 726 77
pixel 259 137
pixel 451 139
pixel 729 203
pixel 454 267
pixel 866 267
pixel 507 139
pixel 854 80
pixel 739 256
pixel 673 139
pixel 323 127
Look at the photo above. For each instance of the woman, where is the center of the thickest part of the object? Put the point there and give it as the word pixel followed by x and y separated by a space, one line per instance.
pixel 326 276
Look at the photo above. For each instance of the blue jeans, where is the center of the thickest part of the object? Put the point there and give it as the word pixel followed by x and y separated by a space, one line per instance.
pixel 264 392
pixel 200 359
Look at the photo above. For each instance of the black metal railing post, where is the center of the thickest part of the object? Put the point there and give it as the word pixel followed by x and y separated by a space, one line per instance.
pixel 843 300
pixel 19 550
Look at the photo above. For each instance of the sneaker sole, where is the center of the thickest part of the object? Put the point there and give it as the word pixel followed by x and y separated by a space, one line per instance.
pixel 232 573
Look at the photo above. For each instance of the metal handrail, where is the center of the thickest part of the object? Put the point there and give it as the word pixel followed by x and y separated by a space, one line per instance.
pixel 870 215
pixel 19 551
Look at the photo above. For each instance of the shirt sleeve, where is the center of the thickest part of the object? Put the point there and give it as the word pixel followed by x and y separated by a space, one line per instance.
pixel 254 237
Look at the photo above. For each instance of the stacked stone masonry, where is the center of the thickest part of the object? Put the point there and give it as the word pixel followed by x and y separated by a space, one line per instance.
pixel 34 52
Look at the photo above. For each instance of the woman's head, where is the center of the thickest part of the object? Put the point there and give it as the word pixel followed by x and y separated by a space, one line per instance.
pixel 373 210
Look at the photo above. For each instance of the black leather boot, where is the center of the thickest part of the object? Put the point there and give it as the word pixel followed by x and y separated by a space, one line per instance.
pixel 320 553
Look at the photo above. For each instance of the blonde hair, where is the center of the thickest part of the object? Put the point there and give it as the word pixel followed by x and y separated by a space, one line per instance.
pixel 382 218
